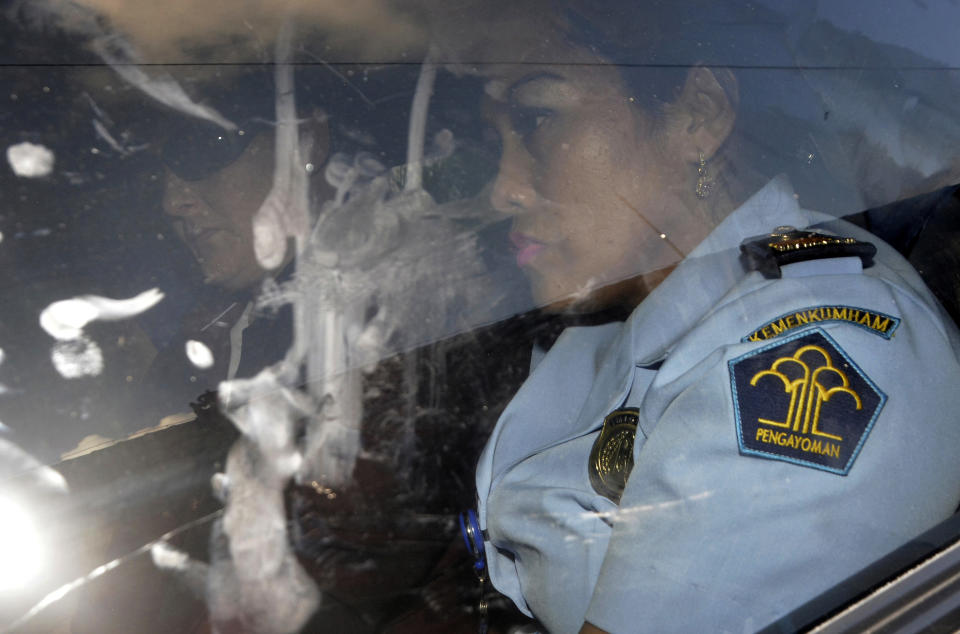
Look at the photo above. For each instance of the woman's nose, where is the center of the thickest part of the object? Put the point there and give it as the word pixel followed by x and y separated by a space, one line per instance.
pixel 513 190
pixel 180 198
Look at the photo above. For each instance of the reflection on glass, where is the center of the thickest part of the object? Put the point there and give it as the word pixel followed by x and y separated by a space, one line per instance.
pixel 382 240
pixel 22 552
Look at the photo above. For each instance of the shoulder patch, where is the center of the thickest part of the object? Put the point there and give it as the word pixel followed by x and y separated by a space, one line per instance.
pixel 803 400
pixel 787 245
pixel 870 320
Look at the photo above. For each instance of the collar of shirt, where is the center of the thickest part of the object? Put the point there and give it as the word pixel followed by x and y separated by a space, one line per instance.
pixel 708 273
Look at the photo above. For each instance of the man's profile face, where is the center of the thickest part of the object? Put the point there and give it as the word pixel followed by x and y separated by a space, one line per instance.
pixel 214 215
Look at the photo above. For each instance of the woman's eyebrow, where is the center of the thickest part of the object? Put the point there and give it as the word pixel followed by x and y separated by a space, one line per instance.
pixel 520 83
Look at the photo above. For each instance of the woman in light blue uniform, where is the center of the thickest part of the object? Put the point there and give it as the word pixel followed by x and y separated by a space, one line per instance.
pixel 777 412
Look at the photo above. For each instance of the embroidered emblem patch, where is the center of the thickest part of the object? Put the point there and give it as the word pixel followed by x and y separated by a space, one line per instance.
pixel 803 400
pixel 872 321
pixel 611 458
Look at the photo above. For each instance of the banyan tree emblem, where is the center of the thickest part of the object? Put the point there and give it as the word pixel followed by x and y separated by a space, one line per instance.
pixel 803 400
pixel 807 375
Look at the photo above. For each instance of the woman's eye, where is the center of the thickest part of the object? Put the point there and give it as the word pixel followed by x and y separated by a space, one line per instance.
pixel 526 121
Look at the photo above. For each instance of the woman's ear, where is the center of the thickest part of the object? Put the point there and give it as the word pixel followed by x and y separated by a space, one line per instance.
pixel 702 116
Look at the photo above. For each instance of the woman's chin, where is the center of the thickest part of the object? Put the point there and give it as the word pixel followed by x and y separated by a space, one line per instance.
pixel 579 304
pixel 591 297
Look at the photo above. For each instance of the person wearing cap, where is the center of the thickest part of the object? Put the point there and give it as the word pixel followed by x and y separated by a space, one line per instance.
pixel 214 182
pixel 379 547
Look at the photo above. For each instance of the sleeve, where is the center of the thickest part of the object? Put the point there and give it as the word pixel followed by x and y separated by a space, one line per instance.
pixel 775 468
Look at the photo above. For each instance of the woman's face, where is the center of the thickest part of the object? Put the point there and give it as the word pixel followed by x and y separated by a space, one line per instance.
pixel 214 216
pixel 596 196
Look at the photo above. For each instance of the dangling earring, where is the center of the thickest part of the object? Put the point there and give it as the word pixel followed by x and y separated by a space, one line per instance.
pixel 704 182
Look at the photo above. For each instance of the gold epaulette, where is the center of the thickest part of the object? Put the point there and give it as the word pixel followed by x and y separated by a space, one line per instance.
pixel 787 245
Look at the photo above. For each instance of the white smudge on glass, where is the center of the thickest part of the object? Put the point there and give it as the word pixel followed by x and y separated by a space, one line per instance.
pixel 284 213
pixel 30 160
pixel 166 556
pixel 65 319
pixel 77 358
pixel 193 572
pixel 199 354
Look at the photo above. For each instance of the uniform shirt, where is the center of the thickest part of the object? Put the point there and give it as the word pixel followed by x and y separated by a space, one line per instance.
pixel 727 523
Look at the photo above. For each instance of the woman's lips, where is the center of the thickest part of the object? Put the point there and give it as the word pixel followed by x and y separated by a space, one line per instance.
pixel 527 248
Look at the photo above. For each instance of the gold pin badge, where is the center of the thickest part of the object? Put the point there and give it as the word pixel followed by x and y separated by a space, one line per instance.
pixel 611 458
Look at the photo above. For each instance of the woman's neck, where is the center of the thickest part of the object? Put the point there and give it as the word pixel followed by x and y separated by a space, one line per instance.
pixel 735 180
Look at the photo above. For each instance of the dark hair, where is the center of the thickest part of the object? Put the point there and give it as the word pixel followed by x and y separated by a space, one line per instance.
pixel 655 43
